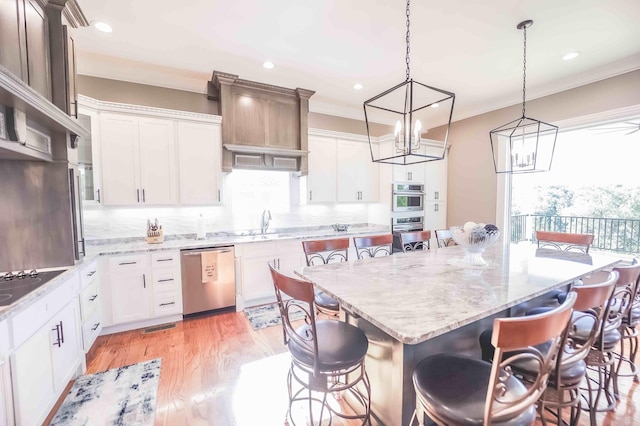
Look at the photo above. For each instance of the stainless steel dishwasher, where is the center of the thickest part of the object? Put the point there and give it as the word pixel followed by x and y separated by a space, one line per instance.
pixel 210 285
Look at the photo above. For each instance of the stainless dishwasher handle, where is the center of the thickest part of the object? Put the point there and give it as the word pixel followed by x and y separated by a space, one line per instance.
pixel 198 253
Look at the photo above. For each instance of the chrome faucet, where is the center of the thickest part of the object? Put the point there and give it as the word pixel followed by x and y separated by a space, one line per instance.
pixel 264 223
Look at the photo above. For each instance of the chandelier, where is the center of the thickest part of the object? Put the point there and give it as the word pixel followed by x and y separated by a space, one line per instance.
pixel 410 107
pixel 524 145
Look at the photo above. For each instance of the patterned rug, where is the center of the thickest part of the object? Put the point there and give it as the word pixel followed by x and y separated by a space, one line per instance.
pixel 267 315
pixel 121 396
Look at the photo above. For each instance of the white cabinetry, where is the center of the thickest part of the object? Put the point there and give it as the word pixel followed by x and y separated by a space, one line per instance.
pixel 131 292
pixel 435 183
pixel 47 354
pixel 167 287
pixel 257 284
pixel 90 302
pixel 321 180
pixel 357 173
pixel 199 162
pixel 138 160
pixel 6 394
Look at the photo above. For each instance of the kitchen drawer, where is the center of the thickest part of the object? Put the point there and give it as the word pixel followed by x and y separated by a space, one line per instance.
pixel 89 274
pixel 165 259
pixel 166 280
pixel 131 263
pixel 262 249
pixel 91 328
pixel 28 321
pixel 89 300
pixel 168 303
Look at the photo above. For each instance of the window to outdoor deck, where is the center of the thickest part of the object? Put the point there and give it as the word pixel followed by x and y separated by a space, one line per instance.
pixel 593 187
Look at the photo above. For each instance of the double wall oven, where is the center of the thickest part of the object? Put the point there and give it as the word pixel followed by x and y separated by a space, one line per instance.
pixel 407 210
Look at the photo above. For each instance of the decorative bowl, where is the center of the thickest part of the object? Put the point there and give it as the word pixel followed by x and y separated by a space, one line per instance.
pixel 474 238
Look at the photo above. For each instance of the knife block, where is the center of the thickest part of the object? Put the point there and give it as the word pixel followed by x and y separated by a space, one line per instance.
pixel 155 237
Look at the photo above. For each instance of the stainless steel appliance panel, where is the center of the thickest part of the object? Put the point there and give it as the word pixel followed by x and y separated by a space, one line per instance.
pixel 407 197
pixel 201 297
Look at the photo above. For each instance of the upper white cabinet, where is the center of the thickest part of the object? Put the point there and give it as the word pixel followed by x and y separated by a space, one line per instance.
pixel 357 173
pixel 199 162
pixel 138 160
pixel 321 181
pixel 435 181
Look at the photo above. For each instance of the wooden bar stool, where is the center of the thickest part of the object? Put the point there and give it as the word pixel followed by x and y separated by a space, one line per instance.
pixel 326 356
pixel 322 252
pixel 460 390
pixel 414 241
pixel 444 238
pixel 564 241
pixel 373 246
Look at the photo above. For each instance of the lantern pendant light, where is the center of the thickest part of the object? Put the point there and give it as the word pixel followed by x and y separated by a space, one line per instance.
pixel 409 107
pixel 524 145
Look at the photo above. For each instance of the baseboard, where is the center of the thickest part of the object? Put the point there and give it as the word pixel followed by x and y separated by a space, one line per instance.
pixel 119 328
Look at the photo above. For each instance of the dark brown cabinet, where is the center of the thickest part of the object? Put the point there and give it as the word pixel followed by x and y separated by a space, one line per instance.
pixel 37 35
pixel 11 37
pixel 70 73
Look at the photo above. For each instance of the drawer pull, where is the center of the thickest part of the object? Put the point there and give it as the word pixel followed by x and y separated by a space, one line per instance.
pixel 90 274
pixel 92 298
pixel 165 280
pixel 165 260
pixel 127 263
pixel 95 327
pixel 167 304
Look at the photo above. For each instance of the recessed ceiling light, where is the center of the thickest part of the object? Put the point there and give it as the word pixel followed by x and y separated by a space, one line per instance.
pixel 435 105
pixel 268 65
pixel 102 26
pixel 358 86
pixel 571 55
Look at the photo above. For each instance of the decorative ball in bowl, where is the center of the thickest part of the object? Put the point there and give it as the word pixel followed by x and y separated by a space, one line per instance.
pixel 474 238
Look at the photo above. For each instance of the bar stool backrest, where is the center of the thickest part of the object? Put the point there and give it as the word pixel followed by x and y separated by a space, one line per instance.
pixel 520 335
pixel 373 246
pixel 321 252
pixel 565 241
pixel 414 241
pixel 444 238
pixel 629 278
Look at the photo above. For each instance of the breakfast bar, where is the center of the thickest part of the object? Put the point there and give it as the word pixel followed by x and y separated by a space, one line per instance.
pixel 412 305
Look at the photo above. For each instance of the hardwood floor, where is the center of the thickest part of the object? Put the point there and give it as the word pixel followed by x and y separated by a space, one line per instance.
pixel 217 370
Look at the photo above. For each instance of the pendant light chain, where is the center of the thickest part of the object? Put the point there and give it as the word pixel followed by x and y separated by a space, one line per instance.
pixel 524 71
pixel 408 50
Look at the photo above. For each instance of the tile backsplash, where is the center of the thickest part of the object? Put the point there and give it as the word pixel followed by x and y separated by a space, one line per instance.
pixel 108 222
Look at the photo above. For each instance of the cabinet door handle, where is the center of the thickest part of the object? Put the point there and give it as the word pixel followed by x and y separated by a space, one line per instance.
pixel 310 195
pixel 144 199
pixel 58 341
pixel 436 195
pixel 127 263
pixel 90 274
pixel 278 263
pixel 92 298
pixel 138 194
pixel 165 260
pixel 144 280
pixel 61 333
pixel 165 280
pixel 435 207
pixel 409 177
pixel 218 195
pixel 95 327
pixel 98 191
pixel 167 304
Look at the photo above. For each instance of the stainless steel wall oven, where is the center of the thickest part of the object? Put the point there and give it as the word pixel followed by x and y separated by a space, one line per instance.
pixel 407 197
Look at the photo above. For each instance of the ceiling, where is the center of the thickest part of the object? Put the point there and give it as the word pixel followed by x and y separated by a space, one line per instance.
pixel 471 48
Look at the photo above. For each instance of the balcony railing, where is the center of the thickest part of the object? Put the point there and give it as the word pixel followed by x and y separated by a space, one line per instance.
pixel 617 235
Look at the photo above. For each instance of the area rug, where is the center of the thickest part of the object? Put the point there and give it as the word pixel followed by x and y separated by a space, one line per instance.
pixel 267 315
pixel 121 396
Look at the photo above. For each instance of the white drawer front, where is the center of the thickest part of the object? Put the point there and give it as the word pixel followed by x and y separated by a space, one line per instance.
pixel 89 274
pixel 169 303
pixel 261 249
pixel 123 264
pixel 166 280
pixel 28 321
pixel 168 259
pixel 91 328
pixel 89 300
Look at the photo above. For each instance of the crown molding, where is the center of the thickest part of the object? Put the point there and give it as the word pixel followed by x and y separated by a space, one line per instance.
pixel 99 105
pixel 340 135
pixel 74 15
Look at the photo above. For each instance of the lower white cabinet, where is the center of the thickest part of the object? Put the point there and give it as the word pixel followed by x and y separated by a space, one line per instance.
pixel 90 300
pixel 6 394
pixel 435 217
pixel 257 284
pixel 45 360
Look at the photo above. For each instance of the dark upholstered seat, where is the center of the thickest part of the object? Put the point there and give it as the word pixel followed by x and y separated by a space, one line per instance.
pixel 458 390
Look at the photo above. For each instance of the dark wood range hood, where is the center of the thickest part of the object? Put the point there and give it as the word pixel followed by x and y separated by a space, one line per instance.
pixel 263 126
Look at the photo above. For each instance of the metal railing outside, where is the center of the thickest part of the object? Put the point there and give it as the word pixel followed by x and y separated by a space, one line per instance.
pixel 610 234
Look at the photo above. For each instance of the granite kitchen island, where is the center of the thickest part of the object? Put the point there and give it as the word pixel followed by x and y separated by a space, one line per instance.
pixel 411 305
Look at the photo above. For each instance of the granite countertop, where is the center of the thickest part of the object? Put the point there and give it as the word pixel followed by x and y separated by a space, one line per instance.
pixel 417 296
pixel 139 245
